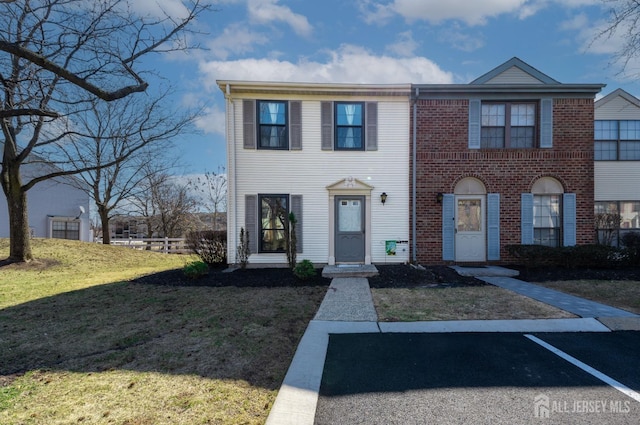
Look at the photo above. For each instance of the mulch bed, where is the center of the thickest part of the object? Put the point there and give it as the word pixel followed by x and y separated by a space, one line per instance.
pixel 391 276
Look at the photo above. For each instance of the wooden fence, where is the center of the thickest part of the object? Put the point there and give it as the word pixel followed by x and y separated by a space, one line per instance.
pixel 165 245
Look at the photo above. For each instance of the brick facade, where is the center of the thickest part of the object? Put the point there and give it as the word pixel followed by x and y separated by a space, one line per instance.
pixel 443 159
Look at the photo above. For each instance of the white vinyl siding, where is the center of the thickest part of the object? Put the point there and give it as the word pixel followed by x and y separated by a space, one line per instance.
pixel 309 171
pixel 616 180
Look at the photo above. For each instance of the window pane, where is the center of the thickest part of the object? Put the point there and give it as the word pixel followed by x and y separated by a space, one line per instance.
pixel 546 211
pixel 521 137
pixel 492 137
pixel 630 151
pixel 606 130
pixel 523 115
pixel 546 237
pixel 350 215
pixel 273 216
pixel 272 136
pixel 493 115
pixel 349 114
pixel 629 130
pixel 349 137
pixel 469 215
pixel 629 213
pixel 272 113
pixel 605 151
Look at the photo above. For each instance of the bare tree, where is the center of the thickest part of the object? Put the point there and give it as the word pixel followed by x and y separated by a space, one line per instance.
pixel 112 129
pixel 56 56
pixel 213 188
pixel 624 19
pixel 166 205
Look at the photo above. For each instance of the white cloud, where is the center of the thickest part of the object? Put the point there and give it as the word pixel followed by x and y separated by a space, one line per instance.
pixel 472 12
pixel 212 120
pixel 160 8
pixel 236 39
pixel 267 11
pixel 405 46
pixel 461 41
pixel 349 64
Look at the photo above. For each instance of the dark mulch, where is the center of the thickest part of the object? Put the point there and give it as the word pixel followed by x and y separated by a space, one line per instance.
pixel 407 276
pixel 391 276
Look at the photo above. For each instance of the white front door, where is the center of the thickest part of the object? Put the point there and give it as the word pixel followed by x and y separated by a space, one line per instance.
pixel 470 228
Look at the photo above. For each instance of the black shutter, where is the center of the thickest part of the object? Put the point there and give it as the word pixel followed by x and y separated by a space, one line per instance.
pixel 249 124
pixel 326 120
pixel 371 133
pixel 295 125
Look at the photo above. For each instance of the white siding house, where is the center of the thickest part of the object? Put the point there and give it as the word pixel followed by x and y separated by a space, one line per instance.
pixel 54 208
pixel 617 159
pixel 326 152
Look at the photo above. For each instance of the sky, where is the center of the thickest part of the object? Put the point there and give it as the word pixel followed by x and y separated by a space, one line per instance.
pixel 380 41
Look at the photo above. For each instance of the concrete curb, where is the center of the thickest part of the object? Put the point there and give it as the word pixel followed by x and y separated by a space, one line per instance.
pixel 524 325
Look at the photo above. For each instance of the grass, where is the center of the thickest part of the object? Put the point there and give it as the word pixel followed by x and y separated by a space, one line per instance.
pixel 624 294
pixel 83 344
pixel 458 303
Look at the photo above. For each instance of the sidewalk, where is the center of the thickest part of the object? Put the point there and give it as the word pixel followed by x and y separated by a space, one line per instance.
pixel 348 308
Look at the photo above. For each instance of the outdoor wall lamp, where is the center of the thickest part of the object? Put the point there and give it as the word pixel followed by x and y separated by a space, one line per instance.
pixel 383 197
pixel 439 197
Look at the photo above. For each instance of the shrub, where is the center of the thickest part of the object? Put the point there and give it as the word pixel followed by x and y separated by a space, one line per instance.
pixel 631 242
pixel 304 270
pixel 243 251
pixel 586 256
pixel 209 245
pixel 195 269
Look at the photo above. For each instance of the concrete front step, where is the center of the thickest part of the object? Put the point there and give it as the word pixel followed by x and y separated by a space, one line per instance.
pixel 349 270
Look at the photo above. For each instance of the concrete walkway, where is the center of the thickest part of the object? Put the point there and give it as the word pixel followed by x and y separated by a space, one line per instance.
pixel 348 308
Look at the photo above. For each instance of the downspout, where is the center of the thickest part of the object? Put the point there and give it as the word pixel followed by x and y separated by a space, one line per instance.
pixel 413 179
pixel 231 166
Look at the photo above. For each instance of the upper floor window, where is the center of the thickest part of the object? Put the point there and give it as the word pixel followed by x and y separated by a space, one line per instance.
pixel 617 140
pixel 508 125
pixel 349 126
pixel 272 125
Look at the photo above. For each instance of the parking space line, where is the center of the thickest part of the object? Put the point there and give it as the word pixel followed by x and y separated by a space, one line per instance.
pixel 606 379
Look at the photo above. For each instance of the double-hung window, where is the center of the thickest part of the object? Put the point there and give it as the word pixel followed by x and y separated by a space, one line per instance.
pixel 274 213
pixel 546 220
pixel 272 125
pixel 349 125
pixel 617 140
pixel 508 125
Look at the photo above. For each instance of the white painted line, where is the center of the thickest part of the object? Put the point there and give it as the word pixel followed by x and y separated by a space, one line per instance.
pixel 601 376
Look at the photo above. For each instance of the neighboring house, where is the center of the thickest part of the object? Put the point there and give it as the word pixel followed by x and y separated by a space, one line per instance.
pixel 57 208
pixel 617 163
pixel 336 155
pixel 506 159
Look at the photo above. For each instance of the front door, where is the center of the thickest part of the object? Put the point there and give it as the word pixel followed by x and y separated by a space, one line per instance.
pixel 470 228
pixel 350 229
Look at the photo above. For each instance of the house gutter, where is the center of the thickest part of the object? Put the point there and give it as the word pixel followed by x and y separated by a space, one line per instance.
pixel 413 180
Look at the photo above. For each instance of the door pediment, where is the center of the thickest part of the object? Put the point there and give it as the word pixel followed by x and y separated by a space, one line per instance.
pixel 350 186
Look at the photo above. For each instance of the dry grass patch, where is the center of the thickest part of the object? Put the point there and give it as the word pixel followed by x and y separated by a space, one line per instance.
pixel 79 350
pixel 624 294
pixel 458 303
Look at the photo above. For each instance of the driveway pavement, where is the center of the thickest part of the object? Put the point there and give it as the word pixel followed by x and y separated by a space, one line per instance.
pixel 351 369
pixel 492 378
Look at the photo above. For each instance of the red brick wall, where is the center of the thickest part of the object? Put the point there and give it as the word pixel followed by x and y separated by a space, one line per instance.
pixel 443 159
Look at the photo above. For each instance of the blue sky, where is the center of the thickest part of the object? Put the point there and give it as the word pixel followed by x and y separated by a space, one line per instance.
pixel 380 41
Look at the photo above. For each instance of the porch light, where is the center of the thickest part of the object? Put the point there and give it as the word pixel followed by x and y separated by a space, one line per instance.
pixel 383 197
pixel 439 197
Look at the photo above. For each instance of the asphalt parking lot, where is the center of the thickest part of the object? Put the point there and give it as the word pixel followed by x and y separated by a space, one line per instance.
pixel 478 378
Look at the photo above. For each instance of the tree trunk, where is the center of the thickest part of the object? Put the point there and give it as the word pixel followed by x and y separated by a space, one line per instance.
pixel 19 242
pixel 104 220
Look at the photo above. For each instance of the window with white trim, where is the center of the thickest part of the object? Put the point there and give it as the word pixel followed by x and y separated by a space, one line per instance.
pixel 617 140
pixel 508 125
